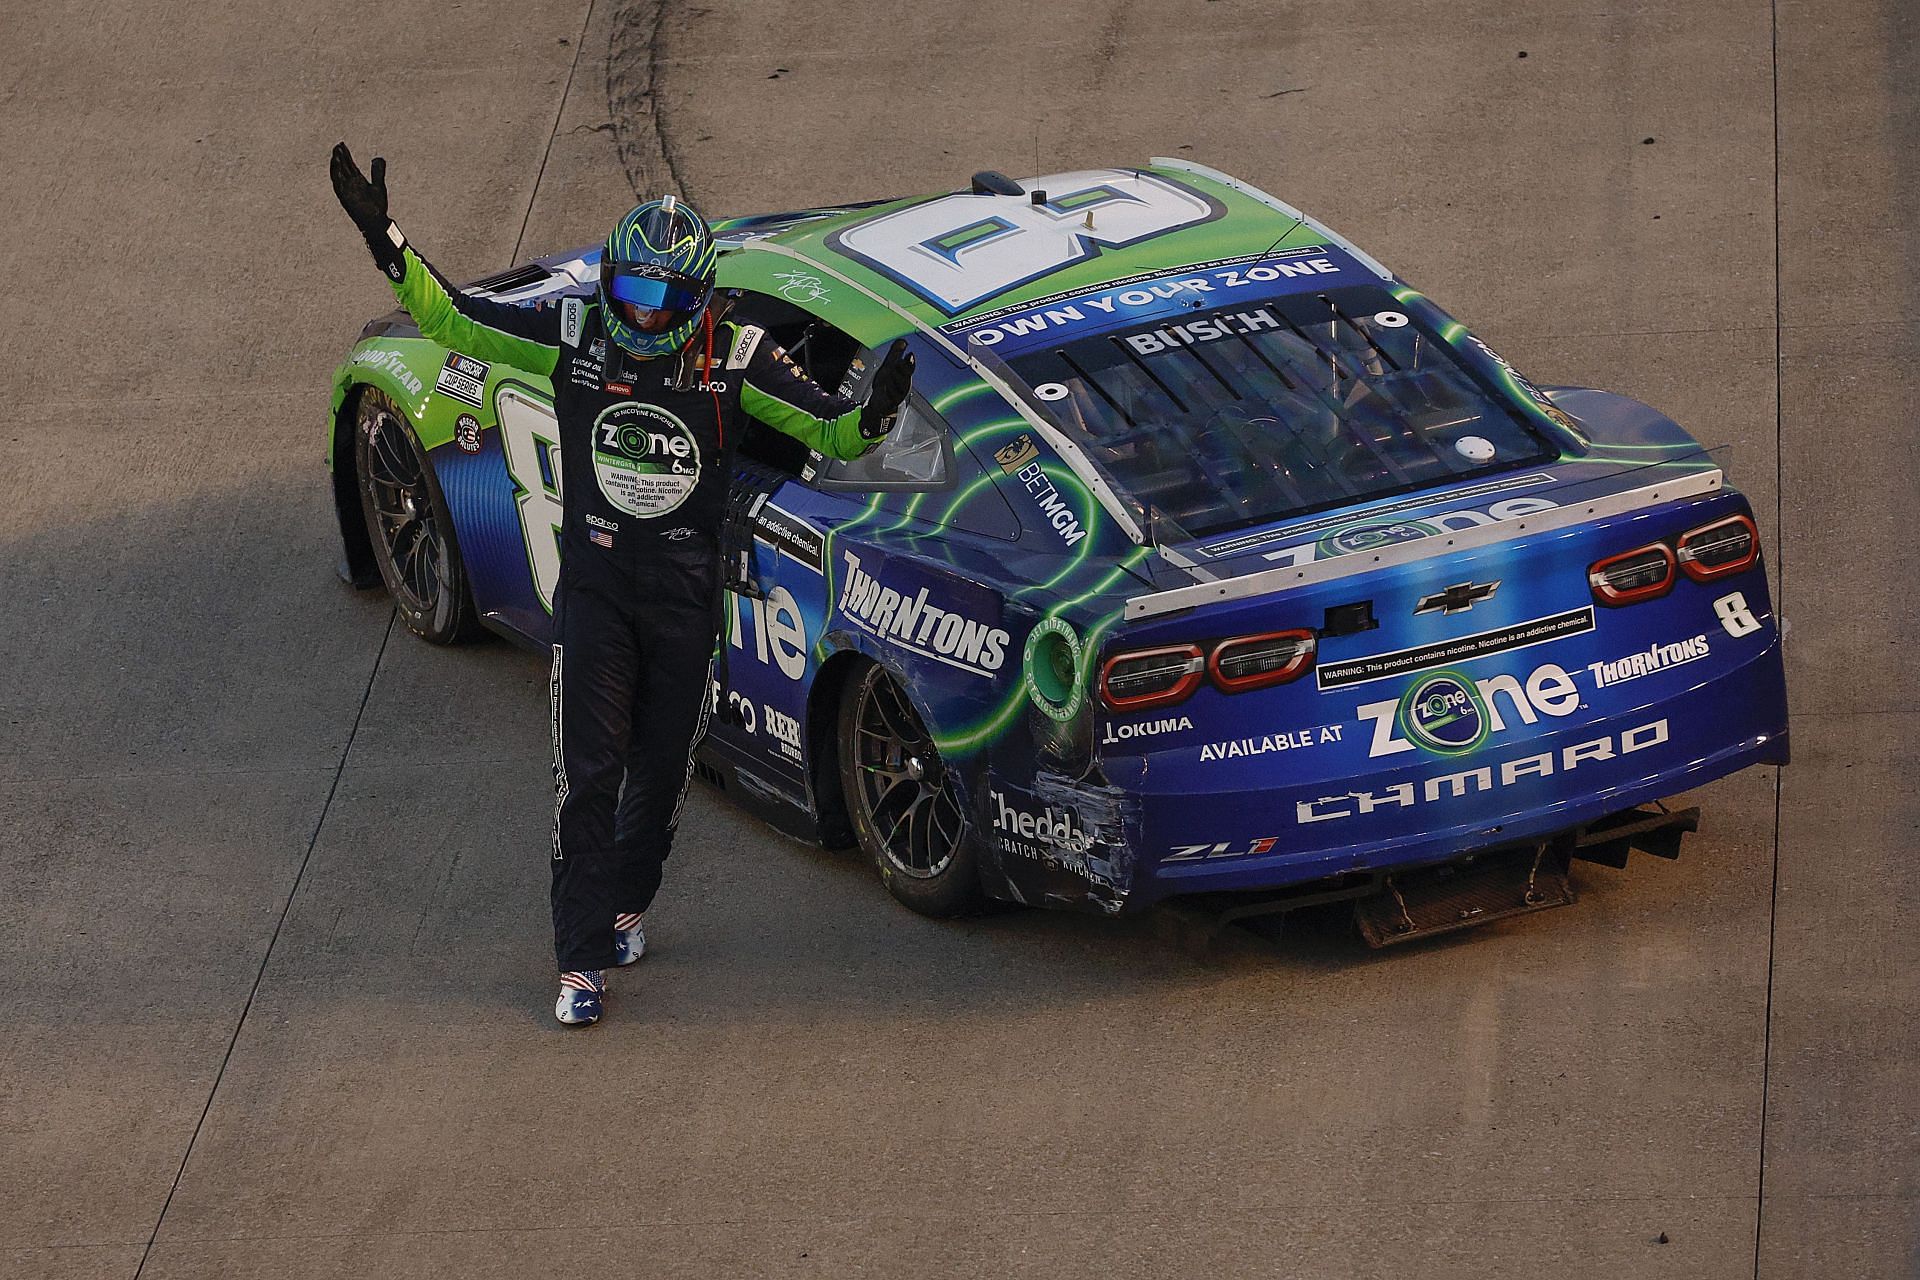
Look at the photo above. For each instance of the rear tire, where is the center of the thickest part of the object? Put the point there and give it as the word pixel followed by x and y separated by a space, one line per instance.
pixel 409 525
pixel 901 801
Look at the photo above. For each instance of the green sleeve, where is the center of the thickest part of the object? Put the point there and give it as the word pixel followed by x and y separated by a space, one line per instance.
pixel 776 391
pixel 524 337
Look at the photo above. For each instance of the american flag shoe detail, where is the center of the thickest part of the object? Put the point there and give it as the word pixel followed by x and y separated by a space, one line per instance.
pixel 629 939
pixel 581 993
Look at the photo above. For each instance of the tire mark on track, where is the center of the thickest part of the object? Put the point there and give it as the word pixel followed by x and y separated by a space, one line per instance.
pixel 641 134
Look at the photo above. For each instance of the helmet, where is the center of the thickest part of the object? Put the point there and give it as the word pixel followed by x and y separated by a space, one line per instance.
pixel 656 277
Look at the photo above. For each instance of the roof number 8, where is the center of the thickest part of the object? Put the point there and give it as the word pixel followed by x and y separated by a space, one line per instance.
pixel 958 251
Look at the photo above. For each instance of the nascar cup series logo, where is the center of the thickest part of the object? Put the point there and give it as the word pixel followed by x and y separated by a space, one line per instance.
pixel 1444 713
pixel 644 458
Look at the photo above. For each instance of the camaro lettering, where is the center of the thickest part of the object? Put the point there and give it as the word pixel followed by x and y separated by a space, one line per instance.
pixel 941 634
pixel 1458 786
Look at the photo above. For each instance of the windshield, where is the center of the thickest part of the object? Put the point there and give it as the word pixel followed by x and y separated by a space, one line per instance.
pixel 1274 407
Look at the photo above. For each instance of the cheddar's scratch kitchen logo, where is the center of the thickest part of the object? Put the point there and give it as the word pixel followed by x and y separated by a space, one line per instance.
pixel 908 620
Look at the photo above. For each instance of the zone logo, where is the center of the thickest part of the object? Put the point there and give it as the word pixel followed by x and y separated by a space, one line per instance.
pixel 1450 714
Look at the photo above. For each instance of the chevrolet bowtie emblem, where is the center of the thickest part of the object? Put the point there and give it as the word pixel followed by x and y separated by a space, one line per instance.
pixel 1457 598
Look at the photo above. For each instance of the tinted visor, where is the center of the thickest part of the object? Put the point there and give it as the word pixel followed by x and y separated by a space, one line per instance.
pixel 656 293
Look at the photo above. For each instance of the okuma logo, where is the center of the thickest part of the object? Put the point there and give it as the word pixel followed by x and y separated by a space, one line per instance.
pixel 1443 713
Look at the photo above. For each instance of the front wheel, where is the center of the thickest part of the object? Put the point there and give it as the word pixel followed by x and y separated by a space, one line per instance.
pixel 408 524
pixel 904 807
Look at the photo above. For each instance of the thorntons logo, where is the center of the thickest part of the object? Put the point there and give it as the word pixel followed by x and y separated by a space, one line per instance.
pixel 940 634
pixel 1654 658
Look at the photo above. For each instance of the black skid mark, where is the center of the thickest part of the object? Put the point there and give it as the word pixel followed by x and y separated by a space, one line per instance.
pixel 642 138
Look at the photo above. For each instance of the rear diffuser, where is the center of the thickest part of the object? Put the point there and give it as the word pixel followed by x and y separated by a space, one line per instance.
pixel 1436 900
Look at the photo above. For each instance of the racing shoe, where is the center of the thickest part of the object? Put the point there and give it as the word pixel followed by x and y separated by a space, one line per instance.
pixel 582 995
pixel 629 939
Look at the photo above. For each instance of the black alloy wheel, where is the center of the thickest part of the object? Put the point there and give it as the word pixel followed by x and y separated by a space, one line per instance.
pixel 408 524
pixel 905 810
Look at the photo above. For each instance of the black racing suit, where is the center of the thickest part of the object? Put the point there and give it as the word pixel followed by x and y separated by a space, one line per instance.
pixel 644 474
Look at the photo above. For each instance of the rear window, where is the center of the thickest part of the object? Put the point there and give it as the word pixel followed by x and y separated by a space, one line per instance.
pixel 1270 408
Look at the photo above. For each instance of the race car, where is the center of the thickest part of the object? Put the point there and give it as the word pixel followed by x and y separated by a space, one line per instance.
pixel 1208 557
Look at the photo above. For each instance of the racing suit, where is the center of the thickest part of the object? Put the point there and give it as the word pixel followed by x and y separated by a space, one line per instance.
pixel 644 476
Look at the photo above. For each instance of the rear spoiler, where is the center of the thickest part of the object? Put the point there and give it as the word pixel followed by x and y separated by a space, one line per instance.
pixel 1692 485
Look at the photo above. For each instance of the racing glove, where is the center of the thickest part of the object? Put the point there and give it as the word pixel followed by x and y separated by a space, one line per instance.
pixel 890 384
pixel 366 203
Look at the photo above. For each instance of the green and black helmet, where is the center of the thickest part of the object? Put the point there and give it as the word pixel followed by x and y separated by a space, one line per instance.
pixel 656 277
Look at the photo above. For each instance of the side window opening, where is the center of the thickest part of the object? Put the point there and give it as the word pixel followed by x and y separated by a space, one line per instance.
pixel 822 351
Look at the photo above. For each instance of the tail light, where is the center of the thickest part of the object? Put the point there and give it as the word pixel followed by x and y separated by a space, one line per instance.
pixel 1719 549
pixel 1151 677
pixel 1255 662
pixel 1645 573
pixel 1161 677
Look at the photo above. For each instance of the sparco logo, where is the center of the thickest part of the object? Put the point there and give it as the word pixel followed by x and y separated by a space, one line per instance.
pixel 941 634
pixel 1656 658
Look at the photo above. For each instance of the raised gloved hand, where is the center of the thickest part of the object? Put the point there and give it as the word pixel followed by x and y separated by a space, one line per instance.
pixel 366 203
pixel 891 382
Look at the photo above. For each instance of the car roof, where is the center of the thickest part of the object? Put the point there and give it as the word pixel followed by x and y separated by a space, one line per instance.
pixel 942 261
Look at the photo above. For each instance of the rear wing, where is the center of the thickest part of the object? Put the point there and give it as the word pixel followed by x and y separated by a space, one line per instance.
pixel 1692 485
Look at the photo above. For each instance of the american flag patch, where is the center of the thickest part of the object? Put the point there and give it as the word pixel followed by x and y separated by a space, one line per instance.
pixel 600 538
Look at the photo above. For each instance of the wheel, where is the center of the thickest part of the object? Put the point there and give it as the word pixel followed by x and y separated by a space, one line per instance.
pixel 902 803
pixel 408 524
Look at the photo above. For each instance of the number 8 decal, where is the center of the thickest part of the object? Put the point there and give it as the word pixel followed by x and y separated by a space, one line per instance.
pixel 531 437
pixel 958 251
pixel 1735 616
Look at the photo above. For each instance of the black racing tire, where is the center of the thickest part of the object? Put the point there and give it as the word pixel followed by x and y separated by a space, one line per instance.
pixel 901 801
pixel 409 525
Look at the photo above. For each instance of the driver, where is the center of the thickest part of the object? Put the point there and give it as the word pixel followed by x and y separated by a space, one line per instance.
pixel 649 384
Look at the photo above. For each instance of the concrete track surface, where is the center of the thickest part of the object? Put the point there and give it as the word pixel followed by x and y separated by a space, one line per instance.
pixel 273 957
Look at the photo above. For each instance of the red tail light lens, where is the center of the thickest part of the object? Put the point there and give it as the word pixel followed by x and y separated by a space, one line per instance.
pixel 1255 662
pixel 1720 549
pixel 1151 677
pixel 1645 573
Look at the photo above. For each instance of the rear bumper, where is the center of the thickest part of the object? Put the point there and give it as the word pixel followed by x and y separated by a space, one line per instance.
pixel 1433 811
pixel 1244 874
